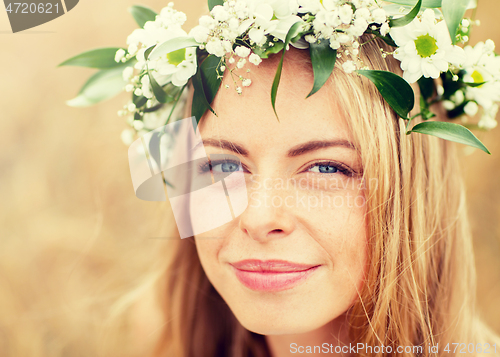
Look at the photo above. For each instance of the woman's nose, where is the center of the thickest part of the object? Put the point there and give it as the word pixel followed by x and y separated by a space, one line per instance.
pixel 267 216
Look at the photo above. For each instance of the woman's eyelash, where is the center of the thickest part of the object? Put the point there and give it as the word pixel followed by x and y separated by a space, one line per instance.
pixel 207 166
pixel 324 167
pixel 331 167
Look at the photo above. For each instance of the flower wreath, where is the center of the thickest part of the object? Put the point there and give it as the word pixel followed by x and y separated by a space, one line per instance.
pixel 161 58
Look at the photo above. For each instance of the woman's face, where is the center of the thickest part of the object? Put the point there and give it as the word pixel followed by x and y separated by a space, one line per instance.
pixel 295 258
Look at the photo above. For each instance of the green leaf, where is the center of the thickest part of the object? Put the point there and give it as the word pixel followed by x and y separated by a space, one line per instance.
pixel 387 39
pixel 172 45
pixel 142 14
pixel 101 86
pixel 211 80
pixel 454 11
pixel 323 59
pixel 214 3
pixel 102 58
pixel 425 3
pixel 469 84
pixel 395 90
pixel 139 101
pixel 405 20
pixel 449 131
pixel 427 87
pixel 294 30
pixel 266 50
pixel 158 91
pixel 200 104
pixel 206 83
pixel 148 52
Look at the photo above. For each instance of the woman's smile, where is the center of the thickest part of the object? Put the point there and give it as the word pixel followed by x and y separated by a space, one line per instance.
pixel 272 275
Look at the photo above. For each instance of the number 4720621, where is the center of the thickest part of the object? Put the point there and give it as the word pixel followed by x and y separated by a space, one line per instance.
pixel 470 348
pixel 32 8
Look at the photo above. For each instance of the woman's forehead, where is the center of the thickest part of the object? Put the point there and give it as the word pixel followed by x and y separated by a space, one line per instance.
pixel 250 117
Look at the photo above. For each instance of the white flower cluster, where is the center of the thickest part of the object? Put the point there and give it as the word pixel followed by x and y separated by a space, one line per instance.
pixel 249 20
pixel 150 120
pixel 425 48
pixel 256 18
pixel 483 66
pixel 342 22
pixel 240 31
pixel 175 67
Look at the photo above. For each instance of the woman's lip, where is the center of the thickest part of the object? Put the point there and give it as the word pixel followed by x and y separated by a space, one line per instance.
pixel 270 266
pixel 275 275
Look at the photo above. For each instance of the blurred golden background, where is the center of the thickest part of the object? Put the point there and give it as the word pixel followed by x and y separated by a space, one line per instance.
pixel 70 222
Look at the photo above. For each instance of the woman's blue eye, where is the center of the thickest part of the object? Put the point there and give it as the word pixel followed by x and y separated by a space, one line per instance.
pixel 324 169
pixel 226 167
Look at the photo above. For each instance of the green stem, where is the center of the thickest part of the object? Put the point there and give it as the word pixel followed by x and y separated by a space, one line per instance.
pixel 175 104
pixel 408 125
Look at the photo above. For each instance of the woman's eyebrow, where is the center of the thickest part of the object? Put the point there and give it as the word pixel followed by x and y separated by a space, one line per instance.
pixel 297 150
pixel 309 146
pixel 224 144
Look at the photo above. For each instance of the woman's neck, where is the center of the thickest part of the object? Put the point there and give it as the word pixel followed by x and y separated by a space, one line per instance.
pixel 332 339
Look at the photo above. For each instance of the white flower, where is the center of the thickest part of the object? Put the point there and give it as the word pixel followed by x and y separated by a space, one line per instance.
pixel 119 55
pixel 200 33
pixel 215 47
pixel 345 14
pixel 131 107
pixel 363 13
pixel 241 63
pixel 242 51
pixel 274 17
pixel 310 38
pixel 208 22
pixel 343 38
pixel 448 105
pixel 257 35
pixel 385 29
pixel 488 120
pixel 458 98
pixel 132 49
pixel 246 82
pixel 424 48
pixel 239 90
pixel 129 88
pixel 128 72
pixel 177 67
pixel 138 125
pixel 127 136
pixel 312 6
pixel 471 108
pixel 379 16
pixel 336 21
pixel 483 66
pixel 359 27
pixel 283 26
pixel 348 66
pixel 489 46
pixel 334 44
pixel 147 91
pixel 220 13
pixel 255 59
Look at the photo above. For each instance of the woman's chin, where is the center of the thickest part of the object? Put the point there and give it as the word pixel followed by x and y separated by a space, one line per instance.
pixel 272 321
pixel 268 327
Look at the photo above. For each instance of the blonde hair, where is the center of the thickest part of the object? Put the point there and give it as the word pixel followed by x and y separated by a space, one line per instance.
pixel 420 285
